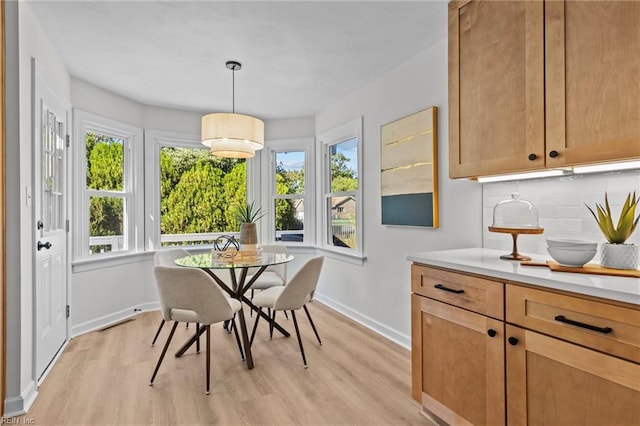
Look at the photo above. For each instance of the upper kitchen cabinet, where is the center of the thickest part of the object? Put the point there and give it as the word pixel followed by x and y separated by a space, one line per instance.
pixel 496 87
pixel 592 81
pixel 511 61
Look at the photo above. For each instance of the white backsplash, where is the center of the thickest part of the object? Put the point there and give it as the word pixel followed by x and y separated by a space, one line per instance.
pixel 561 206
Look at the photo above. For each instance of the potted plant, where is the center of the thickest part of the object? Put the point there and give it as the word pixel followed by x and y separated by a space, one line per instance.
pixel 248 214
pixel 616 253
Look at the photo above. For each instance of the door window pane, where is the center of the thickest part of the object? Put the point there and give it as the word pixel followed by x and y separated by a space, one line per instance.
pixel 51 166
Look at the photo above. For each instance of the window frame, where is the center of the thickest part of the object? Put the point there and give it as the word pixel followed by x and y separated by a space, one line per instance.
pixel 269 189
pixel 342 133
pixel 154 141
pixel 87 122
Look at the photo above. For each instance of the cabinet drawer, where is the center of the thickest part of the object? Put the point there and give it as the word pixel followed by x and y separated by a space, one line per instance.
pixel 601 326
pixel 475 294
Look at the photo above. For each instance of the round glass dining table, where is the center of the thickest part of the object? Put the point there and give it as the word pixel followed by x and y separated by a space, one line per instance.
pixel 214 263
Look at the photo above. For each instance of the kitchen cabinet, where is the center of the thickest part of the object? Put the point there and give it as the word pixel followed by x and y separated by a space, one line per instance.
pixel 553 382
pixel 536 85
pixel 570 360
pixel 592 69
pixel 457 354
pixel 486 352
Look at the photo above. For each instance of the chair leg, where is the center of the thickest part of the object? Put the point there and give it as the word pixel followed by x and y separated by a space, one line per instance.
pixel 157 333
pixel 234 326
pixel 255 326
pixel 273 320
pixel 186 325
pixel 164 351
pixel 285 315
pixel 295 323
pixel 312 324
pixel 251 310
pixel 208 356
pixel 198 341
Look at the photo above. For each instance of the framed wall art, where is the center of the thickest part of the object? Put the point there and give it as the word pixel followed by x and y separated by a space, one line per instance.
pixel 409 170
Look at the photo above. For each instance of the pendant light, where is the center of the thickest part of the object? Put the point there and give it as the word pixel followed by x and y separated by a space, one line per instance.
pixel 232 135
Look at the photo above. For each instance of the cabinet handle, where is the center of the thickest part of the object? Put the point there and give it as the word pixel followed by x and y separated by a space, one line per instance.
pixel 441 287
pixel 532 157
pixel 553 154
pixel 491 332
pixel 604 330
pixel 512 341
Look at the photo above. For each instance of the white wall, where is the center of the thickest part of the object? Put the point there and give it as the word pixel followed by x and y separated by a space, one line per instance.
pixel 25 34
pixel 378 292
pixel 561 207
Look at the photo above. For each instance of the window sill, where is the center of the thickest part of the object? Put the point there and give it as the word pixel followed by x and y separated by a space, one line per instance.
pixel 89 264
pixel 355 259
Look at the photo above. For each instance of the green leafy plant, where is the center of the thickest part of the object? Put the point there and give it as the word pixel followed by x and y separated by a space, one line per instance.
pixel 627 222
pixel 248 213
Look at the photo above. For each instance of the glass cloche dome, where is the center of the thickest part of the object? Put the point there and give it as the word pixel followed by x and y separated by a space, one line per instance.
pixel 515 213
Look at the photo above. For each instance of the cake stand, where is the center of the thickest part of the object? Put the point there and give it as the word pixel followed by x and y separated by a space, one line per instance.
pixel 514 234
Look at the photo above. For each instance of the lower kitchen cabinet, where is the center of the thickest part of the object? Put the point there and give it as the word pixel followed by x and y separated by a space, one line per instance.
pixel 547 358
pixel 458 363
pixel 553 382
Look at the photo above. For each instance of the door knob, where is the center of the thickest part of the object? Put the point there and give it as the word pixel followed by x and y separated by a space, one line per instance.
pixel 39 224
pixel 491 332
pixel 553 154
pixel 42 245
pixel 513 340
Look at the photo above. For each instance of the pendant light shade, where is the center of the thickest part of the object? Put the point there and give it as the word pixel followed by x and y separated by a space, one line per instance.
pixel 232 135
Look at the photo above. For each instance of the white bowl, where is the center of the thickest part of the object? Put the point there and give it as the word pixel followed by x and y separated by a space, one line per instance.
pixel 572 244
pixel 569 257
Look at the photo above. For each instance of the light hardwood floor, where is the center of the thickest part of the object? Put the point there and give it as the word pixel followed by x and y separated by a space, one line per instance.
pixel 355 378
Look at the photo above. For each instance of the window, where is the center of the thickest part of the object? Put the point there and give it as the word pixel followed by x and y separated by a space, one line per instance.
pixel 106 177
pixel 290 212
pixel 189 191
pixel 342 193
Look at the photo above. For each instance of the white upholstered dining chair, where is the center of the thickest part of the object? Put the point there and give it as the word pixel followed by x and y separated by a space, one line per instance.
pixel 167 257
pixel 291 297
pixel 191 295
pixel 274 275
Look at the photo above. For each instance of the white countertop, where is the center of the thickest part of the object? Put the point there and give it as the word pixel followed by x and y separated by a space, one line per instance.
pixel 487 262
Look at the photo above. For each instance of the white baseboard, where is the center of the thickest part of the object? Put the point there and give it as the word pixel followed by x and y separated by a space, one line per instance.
pixel 19 405
pixel 113 318
pixel 383 330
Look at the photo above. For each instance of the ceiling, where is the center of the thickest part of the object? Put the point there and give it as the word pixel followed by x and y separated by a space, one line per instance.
pixel 298 57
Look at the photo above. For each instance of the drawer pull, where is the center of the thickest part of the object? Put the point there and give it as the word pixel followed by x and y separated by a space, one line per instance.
pixel 441 287
pixel 491 332
pixel 604 330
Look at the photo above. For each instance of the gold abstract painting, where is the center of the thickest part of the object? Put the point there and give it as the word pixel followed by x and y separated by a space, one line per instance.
pixel 409 172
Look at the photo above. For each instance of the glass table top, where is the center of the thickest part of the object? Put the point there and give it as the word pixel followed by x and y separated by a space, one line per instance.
pixel 232 259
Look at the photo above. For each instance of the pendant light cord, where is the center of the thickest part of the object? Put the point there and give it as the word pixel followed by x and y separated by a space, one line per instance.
pixel 233 90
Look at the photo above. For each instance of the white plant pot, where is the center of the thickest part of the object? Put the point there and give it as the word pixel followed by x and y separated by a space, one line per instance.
pixel 620 256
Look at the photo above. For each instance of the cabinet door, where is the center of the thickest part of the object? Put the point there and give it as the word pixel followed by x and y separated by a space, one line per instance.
pixel 553 382
pixel 592 81
pixel 496 87
pixel 457 363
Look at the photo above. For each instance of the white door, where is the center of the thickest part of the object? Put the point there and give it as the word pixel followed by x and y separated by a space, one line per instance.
pixel 51 116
